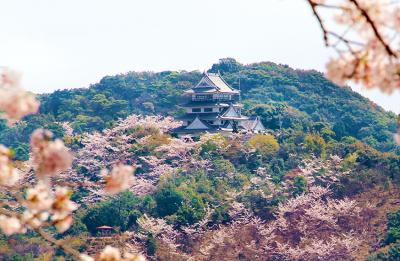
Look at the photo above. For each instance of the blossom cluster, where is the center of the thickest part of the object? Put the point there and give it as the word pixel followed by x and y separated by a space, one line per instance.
pixel 110 253
pixel 9 175
pixel 311 226
pixel 159 228
pixel 49 156
pixel 118 179
pixel 15 103
pixel 44 205
pixel 369 47
pixel 41 204
pixel 322 172
pixel 118 146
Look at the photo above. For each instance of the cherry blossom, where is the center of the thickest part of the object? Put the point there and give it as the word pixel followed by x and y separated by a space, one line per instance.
pixel 49 157
pixel 10 225
pixel 369 46
pixel 15 103
pixel 118 179
pixel 33 218
pixel 160 229
pixel 38 198
pixel 69 130
pixel 62 208
pixel 8 174
pixel 110 254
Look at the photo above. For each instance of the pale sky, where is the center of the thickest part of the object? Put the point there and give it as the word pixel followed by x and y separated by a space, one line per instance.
pixel 60 44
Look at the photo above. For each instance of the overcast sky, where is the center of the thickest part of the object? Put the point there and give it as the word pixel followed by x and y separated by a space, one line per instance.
pixel 60 44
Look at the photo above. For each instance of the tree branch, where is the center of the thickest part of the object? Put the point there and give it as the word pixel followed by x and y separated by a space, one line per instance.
pixel 320 22
pixel 365 14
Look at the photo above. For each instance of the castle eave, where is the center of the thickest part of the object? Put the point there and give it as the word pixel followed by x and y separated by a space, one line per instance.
pixel 241 118
pixel 203 116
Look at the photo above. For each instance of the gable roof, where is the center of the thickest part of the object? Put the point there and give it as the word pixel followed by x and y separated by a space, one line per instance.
pixel 231 112
pixel 213 82
pixel 197 124
pixel 252 124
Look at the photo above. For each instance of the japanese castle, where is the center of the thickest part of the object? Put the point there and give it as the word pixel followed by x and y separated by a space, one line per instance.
pixel 214 106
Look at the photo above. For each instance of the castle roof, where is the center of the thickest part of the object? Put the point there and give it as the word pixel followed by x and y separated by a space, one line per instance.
pixel 252 124
pixel 195 126
pixel 232 114
pixel 212 83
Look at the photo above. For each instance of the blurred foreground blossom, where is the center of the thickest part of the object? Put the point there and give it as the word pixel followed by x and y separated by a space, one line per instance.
pixel 15 103
pixel 8 174
pixel 10 225
pixel 113 254
pixel 49 157
pixel 38 198
pixel 62 209
pixel 118 179
pixel 368 46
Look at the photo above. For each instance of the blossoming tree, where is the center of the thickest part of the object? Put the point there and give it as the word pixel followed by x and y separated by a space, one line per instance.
pixel 43 205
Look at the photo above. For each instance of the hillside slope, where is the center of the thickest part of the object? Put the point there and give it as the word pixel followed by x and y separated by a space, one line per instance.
pixel 301 99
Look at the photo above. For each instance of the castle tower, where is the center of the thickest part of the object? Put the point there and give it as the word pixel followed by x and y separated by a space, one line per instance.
pixel 213 106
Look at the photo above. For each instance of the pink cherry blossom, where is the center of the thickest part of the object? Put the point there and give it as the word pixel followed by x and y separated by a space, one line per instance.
pixel 49 157
pixel 10 225
pixel 15 103
pixel 118 179
pixel 8 174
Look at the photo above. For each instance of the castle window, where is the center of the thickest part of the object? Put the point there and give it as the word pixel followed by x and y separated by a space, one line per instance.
pixel 202 97
pixel 196 109
pixel 223 97
pixel 208 109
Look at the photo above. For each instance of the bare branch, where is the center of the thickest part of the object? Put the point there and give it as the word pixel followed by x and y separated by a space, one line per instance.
pixel 321 23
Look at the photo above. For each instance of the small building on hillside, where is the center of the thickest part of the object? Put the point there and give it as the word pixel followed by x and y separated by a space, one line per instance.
pixel 214 106
pixel 105 231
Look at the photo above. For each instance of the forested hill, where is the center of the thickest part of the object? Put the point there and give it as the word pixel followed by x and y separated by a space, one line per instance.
pixel 304 100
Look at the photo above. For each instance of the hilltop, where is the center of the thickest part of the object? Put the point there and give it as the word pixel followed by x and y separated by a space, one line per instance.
pixel 301 99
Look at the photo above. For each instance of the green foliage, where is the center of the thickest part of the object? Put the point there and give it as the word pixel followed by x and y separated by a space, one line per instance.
pixel 180 202
pixel 168 200
pixel 262 207
pixel 284 98
pixel 359 181
pixel 391 249
pixel 393 227
pixel 78 227
pixel 151 245
pixel 349 161
pixel 391 253
pixel 315 144
pixel 223 168
pixel 120 212
pixel 17 137
pixel 300 186
pixel 192 210
pixel 21 151
pixel 265 144
pixel 220 214
pixel 20 257
pixel 304 114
